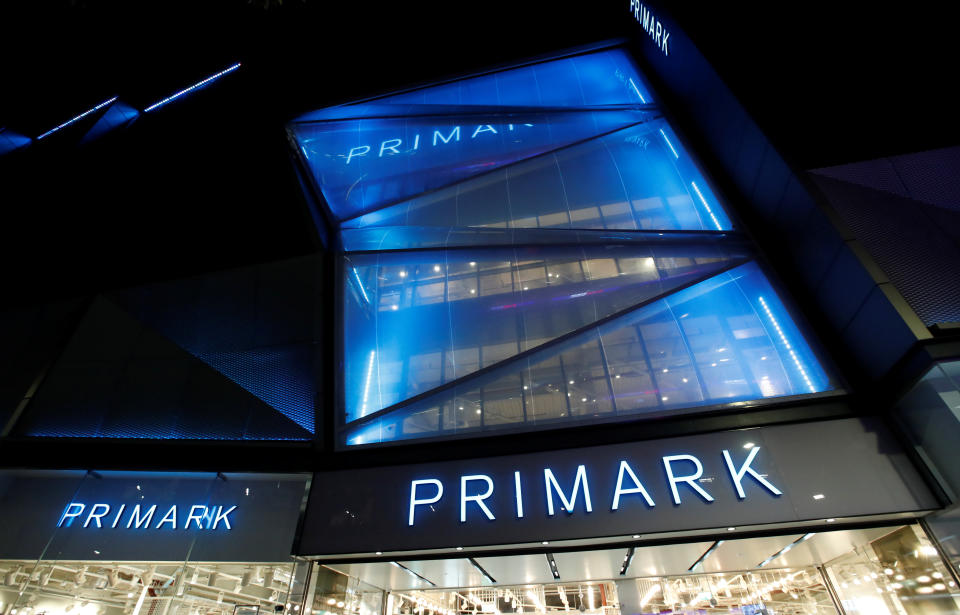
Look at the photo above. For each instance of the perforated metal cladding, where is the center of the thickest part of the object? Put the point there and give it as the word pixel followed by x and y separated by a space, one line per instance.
pixel 223 356
pixel 932 177
pixel 254 326
pixel 29 341
pixel 914 242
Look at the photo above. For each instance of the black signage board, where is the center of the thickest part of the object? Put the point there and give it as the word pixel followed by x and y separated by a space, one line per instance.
pixel 780 474
pixel 148 516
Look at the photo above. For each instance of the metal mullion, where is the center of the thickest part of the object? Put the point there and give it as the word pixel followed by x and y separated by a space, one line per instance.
pixel 831 591
pixel 521 330
pixel 566 386
pixel 735 349
pixel 606 372
pixel 646 358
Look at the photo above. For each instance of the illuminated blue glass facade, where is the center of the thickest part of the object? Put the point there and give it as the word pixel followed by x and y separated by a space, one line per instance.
pixel 533 248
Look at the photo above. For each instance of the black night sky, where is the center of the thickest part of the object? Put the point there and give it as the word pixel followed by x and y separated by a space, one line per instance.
pixel 207 184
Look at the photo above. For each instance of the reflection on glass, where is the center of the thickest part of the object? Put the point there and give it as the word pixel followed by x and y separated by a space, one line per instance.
pixel 637 178
pixel 338 594
pixel 929 414
pixel 727 338
pixel 898 574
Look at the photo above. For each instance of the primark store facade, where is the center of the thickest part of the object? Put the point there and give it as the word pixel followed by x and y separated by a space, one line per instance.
pixel 578 339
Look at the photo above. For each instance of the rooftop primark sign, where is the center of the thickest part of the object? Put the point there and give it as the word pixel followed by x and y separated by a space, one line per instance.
pixel 651 25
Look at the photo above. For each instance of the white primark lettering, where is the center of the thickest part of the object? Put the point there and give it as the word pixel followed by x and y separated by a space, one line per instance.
pixel 683 473
pixel 139 522
pixel 651 25
pixel 551 485
pixel 140 517
pixel 170 517
pixel 737 475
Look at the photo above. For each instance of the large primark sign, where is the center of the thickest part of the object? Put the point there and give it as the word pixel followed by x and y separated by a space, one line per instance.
pixel 627 484
pixel 779 474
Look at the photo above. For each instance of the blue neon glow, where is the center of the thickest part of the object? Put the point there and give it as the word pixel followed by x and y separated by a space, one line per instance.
pixel 193 87
pixel 10 141
pixel 77 118
pixel 669 144
pixel 119 114
pixel 553 148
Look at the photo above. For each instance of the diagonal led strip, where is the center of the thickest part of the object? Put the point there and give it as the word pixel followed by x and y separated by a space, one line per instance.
pixel 537 349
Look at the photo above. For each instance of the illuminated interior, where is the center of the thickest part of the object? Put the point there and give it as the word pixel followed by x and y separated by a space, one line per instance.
pixel 889 570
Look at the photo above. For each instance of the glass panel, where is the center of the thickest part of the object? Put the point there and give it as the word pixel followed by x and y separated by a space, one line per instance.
pixel 777 592
pixel 945 525
pixel 898 574
pixel 337 594
pixel 416 320
pixel 725 339
pixel 930 414
pixel 362 164
pixel 637 178
pixel 606 77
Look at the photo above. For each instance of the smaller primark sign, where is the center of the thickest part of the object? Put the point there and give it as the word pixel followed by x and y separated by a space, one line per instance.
pixel 140 516
pixel 156 516
pixel 651 25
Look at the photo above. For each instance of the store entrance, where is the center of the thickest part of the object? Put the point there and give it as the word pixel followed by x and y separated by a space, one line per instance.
pixel 893 570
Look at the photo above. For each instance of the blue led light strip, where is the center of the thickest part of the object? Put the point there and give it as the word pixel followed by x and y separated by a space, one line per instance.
pixel 360 285
pixel 193 87
pixel 704 201
pixel 675 154
pixel 78 118
pixel 366 384
pixel 783 339
pixel 635 89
